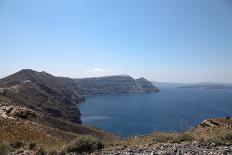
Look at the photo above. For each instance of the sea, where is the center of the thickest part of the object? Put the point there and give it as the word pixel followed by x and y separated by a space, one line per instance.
pixel 172 109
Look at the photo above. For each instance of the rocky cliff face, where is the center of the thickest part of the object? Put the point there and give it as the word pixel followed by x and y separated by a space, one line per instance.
pixel 146 86
pixel 121 84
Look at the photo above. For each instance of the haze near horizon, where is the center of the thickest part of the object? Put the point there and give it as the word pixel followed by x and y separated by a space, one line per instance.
pixel 168 41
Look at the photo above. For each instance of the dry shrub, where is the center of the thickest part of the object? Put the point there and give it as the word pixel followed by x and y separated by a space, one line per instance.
pixel 86 144
pixel 160 137
pixel 182 137
pixel 228 136
pixel 163 137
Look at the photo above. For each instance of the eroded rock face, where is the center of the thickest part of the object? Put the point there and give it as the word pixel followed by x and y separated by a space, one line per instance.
pixel 217 122
pixel 146 86
pixel 5 110
pixel 13 112
pixel 22 112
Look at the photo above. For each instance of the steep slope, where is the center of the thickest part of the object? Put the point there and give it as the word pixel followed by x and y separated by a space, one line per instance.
pixel 44 93
pixel 146 86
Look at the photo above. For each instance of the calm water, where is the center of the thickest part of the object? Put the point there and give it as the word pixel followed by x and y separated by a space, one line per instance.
pixel 172 109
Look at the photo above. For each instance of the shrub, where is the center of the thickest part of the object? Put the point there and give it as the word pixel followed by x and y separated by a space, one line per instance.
pixel 182 137
pixel 86 144
pixel 4 149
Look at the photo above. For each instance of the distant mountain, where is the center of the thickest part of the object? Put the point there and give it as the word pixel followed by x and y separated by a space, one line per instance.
pixel 58 96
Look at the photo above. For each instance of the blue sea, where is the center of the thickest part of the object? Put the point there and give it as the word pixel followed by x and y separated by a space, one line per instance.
pixel 172 109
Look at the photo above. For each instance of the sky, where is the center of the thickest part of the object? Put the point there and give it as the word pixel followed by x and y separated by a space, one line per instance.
pixel 161 40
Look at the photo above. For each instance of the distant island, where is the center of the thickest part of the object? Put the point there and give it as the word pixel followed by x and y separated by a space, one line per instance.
pixel 208 86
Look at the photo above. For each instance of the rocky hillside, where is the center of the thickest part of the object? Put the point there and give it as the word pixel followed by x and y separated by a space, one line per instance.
pixel 24 129
pixel 211 136
pixel 43 92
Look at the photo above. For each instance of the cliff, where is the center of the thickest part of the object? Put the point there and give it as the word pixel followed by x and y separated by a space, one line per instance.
pixel 120 84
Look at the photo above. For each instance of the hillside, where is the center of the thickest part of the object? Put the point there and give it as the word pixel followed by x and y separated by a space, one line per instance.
pixel 18 123
pixel 43 92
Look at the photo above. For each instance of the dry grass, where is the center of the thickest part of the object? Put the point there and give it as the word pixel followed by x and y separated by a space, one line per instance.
pixel 45 131
pixel 161 137
pixel 27 132
pixel 151 139
pixel 217 135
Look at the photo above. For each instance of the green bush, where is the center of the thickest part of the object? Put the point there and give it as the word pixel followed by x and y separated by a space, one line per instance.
pixel 86 144
pixel 4 149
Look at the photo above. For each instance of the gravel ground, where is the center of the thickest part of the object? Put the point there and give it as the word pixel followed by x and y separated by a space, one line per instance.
pixel 186 148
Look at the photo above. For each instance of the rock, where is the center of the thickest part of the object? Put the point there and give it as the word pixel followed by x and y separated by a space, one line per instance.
pixel 212 145
pixel 2 92
pixel 227 149
pixel 185 148
pixel 9 109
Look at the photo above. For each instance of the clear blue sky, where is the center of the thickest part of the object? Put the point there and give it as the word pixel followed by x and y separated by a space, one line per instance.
pixel 162 40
